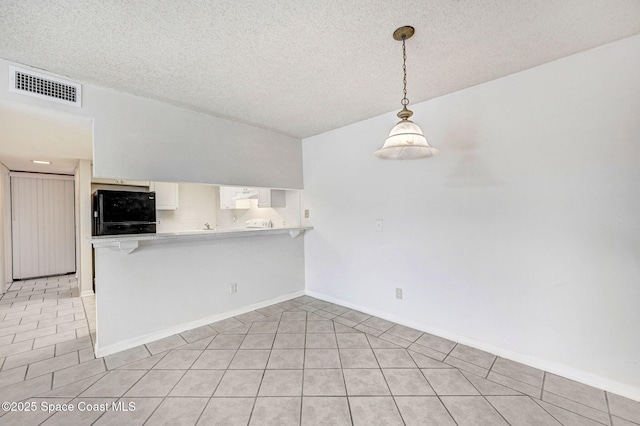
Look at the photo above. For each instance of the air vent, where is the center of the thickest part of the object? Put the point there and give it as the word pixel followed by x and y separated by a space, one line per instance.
pixel 44 86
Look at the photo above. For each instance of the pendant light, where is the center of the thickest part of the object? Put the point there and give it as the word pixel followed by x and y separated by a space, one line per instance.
pixel 406 140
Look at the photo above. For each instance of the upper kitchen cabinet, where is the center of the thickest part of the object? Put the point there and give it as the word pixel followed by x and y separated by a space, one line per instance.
pixel 166 195
pixel 271 197
pixel 230 195
pixel 115 181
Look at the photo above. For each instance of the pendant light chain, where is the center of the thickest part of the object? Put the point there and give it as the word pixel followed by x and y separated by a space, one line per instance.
pixel 406 140
pixel 404 101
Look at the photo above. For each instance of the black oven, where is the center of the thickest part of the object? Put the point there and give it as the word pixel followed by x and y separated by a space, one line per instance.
pixel 123 212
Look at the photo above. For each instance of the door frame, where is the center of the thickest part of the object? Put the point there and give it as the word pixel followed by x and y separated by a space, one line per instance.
pixel 48 176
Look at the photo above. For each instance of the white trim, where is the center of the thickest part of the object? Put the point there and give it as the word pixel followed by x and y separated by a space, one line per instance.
pixel 41 176
pixel 562 370
pixel 137 341
pixel 87 293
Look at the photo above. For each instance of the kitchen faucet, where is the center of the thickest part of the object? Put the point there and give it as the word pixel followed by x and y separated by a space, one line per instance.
pixel 208 226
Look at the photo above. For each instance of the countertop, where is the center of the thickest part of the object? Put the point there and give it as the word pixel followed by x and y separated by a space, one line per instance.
pixel 128 243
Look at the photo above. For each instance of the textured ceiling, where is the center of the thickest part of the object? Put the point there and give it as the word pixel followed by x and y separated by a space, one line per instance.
pixel 301 67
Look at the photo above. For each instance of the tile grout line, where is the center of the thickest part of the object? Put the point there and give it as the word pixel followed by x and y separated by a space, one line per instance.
pixel 496 410
pixel 444 405
pixel 86 317
pixel 606 398
pixel 386 382
pixel 565 409
pixel 571 410
pixel 344 380
pixel 302 385
pixel 255 399
pixel 491 367
pixel 153 411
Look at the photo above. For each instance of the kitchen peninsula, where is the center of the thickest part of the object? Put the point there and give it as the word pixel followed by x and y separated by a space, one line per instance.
pixel 217 252
pixel 150 286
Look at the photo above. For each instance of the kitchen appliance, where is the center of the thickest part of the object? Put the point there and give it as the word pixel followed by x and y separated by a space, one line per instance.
pixel 123 212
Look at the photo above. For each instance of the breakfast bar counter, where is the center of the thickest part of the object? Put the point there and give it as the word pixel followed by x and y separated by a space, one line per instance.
pixel 151 286
pixel 128 243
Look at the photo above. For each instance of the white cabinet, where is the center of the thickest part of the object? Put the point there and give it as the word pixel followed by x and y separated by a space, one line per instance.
pixel 226 195
pixel 271 197
pixel 116 181
pixel 234 197
pixel 167 195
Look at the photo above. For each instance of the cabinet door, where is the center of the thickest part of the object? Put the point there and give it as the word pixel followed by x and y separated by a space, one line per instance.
pixel 271 197
pixel 264 197
pixel 226 195
pixel 167 195
pixel 115 181
pixel 134 182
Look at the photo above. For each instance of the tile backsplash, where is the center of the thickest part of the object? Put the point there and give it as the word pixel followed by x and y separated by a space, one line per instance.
pixel 200 204
pixel 197 206
pixel 281 217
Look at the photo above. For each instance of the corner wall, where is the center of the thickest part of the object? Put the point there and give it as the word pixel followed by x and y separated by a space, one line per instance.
pixel 84 265
pixel 521 238
pixel 6 267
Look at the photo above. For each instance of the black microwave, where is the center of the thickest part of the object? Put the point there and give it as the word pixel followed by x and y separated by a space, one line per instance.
pixel 123 212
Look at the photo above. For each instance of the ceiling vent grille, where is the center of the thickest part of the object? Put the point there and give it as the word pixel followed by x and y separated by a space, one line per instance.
pixel 43 86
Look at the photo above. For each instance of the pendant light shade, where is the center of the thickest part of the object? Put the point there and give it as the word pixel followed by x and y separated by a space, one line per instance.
pixel 406 140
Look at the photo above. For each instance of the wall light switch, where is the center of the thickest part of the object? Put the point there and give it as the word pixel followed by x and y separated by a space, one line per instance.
pixel 233 288
pixel 398 293
pixel 379 225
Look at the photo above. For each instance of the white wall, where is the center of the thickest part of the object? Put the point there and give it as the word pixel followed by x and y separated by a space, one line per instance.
pixel 6 271
pixel 139 138
pixel 84 209
pixel 143 139
pixel 174 286
pixel 522 237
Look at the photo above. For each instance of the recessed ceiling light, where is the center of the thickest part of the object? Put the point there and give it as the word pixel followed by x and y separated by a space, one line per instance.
pixel 40 162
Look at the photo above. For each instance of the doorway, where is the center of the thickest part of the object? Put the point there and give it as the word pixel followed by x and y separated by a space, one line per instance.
pixel 42 224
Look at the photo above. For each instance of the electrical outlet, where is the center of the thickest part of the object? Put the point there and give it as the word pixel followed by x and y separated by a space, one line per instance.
pixel 398 293
pixel 233 288
pixel 379 225
pixel 306 214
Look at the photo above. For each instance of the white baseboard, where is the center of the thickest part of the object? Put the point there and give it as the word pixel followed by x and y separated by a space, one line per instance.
pixel 565 371
pixel 147 338
pixel 87 293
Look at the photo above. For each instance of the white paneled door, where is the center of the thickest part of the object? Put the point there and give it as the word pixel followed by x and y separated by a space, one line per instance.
pixel 43 225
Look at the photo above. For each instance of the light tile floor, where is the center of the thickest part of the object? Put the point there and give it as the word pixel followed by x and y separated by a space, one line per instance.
pixel 303 361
